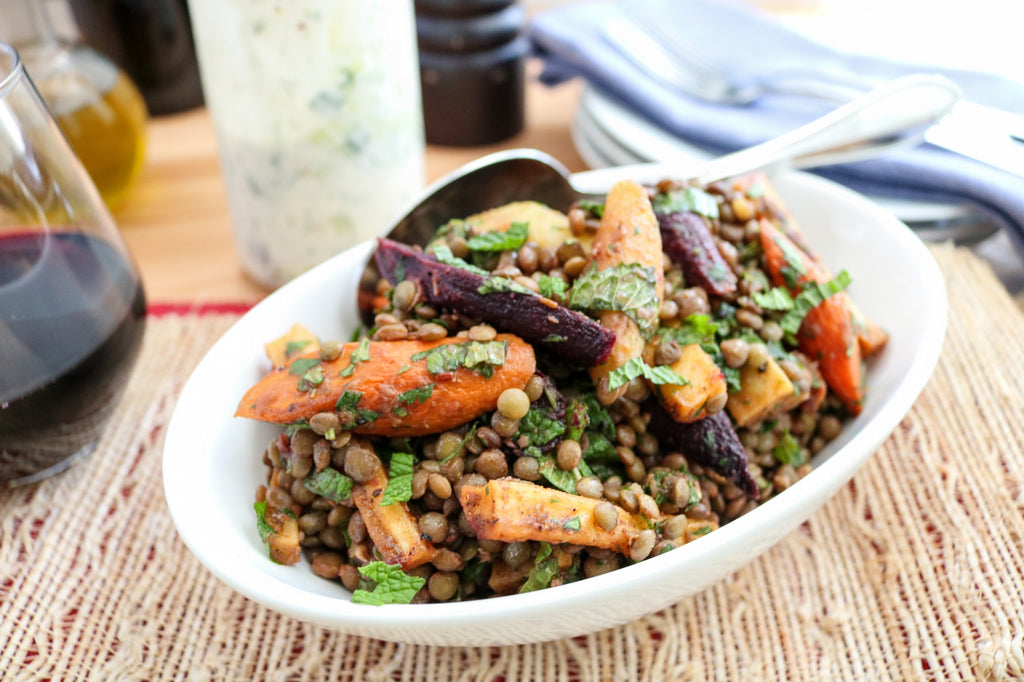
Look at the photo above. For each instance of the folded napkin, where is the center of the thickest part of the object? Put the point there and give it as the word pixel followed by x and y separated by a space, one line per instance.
pixel 752 48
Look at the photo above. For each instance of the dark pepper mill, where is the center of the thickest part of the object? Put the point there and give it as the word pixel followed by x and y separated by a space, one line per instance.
pixel 472 64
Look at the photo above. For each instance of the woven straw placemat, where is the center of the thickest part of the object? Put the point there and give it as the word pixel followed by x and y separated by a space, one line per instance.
pixel 915 570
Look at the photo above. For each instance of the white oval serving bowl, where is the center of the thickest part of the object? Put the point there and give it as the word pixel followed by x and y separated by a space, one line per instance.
pixel 212 461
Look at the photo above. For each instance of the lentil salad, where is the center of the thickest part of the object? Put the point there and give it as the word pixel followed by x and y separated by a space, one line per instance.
pixel 461 449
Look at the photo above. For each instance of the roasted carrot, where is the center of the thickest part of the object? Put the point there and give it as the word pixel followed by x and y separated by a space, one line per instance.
pixel 394 388
pixel 392 527
pixel 827 333
pixel 510 510
pixel 628 235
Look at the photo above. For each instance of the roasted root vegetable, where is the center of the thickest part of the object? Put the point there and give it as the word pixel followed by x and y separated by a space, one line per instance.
pixel 710 442
pixel 827 333
pixel 406 388
pixel 297 340
pixel 279 530
pixel 688 242
pixel 566 334
pixel 511 510
pixel 626 256
pixel 703 395
pixel 764 388
pixel 392 528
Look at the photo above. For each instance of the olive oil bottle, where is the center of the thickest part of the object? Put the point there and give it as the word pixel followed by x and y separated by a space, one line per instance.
pixel 96 105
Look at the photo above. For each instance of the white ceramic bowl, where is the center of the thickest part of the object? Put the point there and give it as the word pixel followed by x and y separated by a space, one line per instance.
pixel 212 461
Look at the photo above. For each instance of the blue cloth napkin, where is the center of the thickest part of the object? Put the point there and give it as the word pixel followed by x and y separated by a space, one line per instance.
pixel 753 47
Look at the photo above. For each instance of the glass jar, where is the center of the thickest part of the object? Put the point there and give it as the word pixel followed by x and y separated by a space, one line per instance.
pixel 95 104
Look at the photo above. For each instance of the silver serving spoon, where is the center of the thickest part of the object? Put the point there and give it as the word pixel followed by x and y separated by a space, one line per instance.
pixel 895 114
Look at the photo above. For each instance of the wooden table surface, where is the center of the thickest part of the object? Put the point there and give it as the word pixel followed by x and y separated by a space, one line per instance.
pixel 176 220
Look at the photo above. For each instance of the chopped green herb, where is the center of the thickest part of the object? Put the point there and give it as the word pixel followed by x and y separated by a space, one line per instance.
pixel 444 254
pixel 329 483
pixel 262 527
pixel 348 401
pixel 293 347
pixel 594 208
pixel 703 530
pixel 360 354
pixel 777 298
pixel 539 427
pixel 416 395
pixel 812 295
pixel 497 284
pixel 462 444
pixel 551 286
pixel 626 287
pixel 545 568
pixel 404 369
pixel 480 356
pixel 788 451
pixel 399 488
pixel 393 585
pixel 691 199
pixel 400 411
pixel 573 523
pixel 511 239
pixel 300 366
pixel 636 367
pixel 554 338
pixel 311 379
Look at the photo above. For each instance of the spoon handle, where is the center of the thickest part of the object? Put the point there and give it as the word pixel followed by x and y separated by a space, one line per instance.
pixel 895 114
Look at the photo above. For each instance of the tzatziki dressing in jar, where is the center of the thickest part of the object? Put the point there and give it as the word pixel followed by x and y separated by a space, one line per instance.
pixel 318 116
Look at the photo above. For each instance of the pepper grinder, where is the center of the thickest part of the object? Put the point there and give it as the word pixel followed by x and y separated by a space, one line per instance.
pixel 472 70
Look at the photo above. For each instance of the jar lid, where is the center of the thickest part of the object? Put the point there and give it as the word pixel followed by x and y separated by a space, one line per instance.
pixel 449 34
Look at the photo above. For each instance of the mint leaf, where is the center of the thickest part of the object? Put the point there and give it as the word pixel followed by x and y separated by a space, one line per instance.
pixel 416 395
pixel 348 401
pixel 360 354
pixel 300 366
pixel 696 328
pixel 511 239
pixel 626 287
pixel 778 298
pixel 393 585
pixel 545 568
pixel 498 284
pixel 690 199
pixel 788 451
pixel 293 347
pixel 572 523
pixel 329 483
pixel 636 367
pixel 594 208
pixel 262 527
pixel 551 286
pixel 480 356
pixel 444 254
pixel 399 487
pixel 812 295
pixel 539 428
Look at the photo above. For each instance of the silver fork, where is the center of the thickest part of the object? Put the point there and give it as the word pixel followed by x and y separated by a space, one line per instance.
pixel 680 64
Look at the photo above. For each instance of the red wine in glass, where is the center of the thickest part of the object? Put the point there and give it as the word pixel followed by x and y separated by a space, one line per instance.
pixel 72 315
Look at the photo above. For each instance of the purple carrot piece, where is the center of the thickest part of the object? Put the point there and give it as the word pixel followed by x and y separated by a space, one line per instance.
pixel 688 242
pixel 563 333
pixel 711 442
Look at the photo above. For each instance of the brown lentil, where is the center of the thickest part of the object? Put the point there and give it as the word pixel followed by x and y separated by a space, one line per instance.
pixel 443 585
pixel 432 331
pixel 327 564
pixel 574 266
pixel 749 319
pixel 503 426
pixel 332 537
pixel 391 332
pixel 300 493
pixel 434 527
pixel 667 352
pixel 440 486
pixel 361 464
pixel 568 455
pixel 527 468
pixel 350 577
pixel 590 486
pixel 735 352
pixel 448 560
pixel 338 515
pixel 491 464
pixel 330 350
pixel 642 545
pixel 482 332
pixel 534 388
pixel 606 515
pixel 757 354
pixel 278 498
pixel 302 442
pixel 691 301
pixel 628 500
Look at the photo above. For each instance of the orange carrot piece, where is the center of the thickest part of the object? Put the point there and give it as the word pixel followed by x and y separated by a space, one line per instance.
pixel 388 392
pixel 827 333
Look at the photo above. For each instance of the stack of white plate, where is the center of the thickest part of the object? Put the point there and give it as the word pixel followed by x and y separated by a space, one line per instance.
pixel 607 133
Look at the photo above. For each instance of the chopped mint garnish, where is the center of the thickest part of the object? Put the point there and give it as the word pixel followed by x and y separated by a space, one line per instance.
pixel 551 286
pixel 293 347
pixel 416 395
pixel 788 451
pixel 480 356
pixel 329 483
pixel 393 585
pixel 690 199
pixel 636 367
pixel 509 240
pixel 545 568
pixel 399 487
pixel 629 288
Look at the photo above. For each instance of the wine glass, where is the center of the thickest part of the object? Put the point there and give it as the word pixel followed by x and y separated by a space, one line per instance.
pixel 72 308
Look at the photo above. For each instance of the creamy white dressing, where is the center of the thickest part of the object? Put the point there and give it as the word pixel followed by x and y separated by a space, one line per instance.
pixel 319 123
